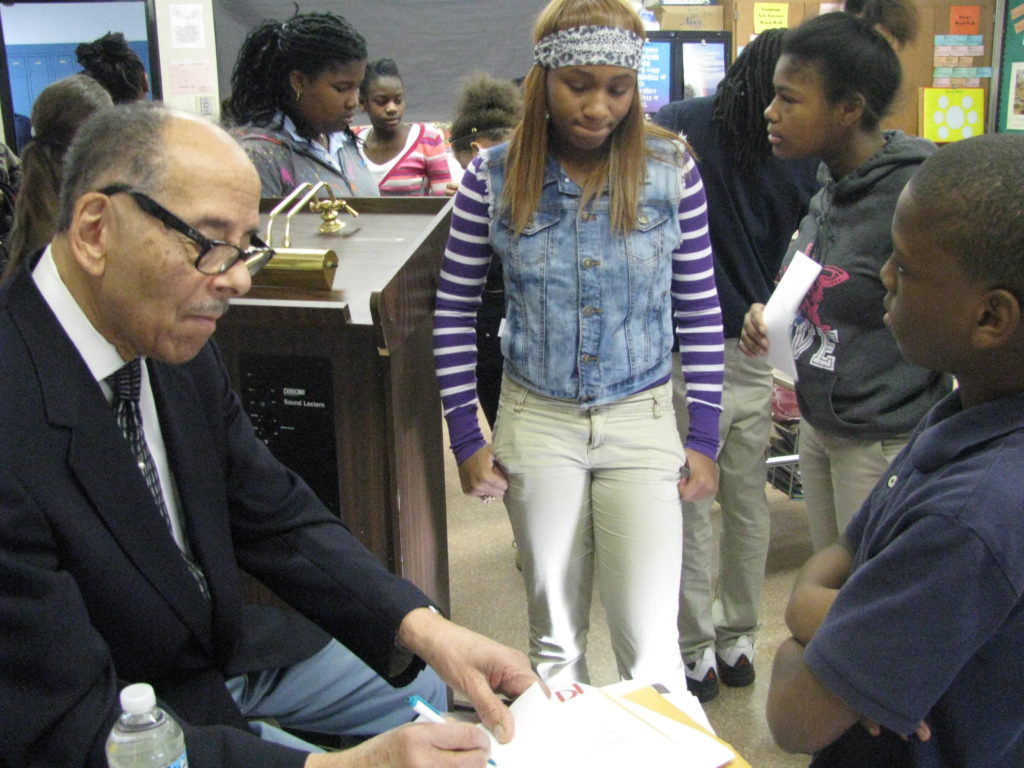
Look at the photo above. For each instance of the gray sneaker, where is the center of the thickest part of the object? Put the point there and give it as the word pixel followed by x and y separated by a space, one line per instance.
pixel 702 675
pixel 736 662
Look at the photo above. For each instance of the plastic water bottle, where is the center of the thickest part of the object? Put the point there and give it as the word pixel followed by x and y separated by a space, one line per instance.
pixel 145 736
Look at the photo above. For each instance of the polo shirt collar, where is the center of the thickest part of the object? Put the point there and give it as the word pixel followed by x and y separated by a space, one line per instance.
pixel 948 430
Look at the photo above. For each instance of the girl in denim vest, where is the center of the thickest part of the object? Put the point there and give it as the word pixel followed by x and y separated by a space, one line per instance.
pixel 600 223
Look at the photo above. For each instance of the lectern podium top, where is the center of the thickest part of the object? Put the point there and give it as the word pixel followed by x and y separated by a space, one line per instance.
pixel 389 237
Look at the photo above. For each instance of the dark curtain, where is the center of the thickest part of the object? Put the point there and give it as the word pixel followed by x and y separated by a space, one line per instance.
pixel 434 42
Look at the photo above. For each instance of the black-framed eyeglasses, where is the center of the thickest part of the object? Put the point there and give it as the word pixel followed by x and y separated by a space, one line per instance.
pixel 215 256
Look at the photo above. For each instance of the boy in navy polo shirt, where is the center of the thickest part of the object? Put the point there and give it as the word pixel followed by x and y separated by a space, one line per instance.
pixel 913 624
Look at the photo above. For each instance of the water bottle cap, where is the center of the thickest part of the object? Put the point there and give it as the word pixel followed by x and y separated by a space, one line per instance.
pixel 138 698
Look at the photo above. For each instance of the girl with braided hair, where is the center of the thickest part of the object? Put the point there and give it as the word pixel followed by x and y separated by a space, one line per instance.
pixel 294 91
pixel 755 202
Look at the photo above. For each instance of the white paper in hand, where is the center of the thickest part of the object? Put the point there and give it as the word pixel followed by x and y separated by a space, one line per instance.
pixel 781 309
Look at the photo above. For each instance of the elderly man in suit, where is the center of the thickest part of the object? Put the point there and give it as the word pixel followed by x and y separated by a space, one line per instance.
pixel 120 541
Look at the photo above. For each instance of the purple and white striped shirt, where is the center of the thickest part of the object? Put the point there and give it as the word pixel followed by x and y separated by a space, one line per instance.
pixel 696 313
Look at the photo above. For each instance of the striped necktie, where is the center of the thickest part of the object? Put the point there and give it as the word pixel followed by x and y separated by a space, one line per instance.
pixel 126 383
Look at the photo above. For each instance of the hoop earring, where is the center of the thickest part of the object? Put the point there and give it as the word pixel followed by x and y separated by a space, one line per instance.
pixel 298 96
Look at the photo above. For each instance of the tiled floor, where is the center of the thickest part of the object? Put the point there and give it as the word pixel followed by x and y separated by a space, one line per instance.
pixel 487 595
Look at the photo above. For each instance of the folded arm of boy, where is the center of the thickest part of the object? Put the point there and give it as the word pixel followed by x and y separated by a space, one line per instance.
pixel 803 714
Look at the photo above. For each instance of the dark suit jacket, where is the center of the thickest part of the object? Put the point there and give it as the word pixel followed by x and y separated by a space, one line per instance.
pixel 93 592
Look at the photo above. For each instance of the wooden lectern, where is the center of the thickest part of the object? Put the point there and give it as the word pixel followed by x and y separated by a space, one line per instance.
pixel 340 383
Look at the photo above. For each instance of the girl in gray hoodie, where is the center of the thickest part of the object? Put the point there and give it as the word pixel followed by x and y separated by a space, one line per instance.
pixel 859 399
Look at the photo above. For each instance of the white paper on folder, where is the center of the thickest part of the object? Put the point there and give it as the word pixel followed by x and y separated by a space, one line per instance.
pixel 781 309
pixel 591 728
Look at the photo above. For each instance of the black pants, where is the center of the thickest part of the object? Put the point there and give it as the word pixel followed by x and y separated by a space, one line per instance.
pixel 489 365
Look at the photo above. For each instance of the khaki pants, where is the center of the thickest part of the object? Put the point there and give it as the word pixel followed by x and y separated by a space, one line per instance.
pixel 708 616
pixel 837 475
pixel 593 492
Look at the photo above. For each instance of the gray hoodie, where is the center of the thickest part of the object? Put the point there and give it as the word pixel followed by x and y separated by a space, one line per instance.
pixel 853 381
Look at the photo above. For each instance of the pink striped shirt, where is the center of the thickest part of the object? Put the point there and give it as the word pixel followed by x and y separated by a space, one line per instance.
pixel 421 168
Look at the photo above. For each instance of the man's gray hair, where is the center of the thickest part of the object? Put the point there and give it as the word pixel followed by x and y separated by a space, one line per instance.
pixel 123 145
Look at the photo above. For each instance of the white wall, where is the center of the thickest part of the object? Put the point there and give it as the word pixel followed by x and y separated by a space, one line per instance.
pixel 27 23
pixel 188 55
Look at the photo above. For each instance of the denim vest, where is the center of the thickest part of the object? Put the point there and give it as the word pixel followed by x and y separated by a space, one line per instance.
pixel 589 312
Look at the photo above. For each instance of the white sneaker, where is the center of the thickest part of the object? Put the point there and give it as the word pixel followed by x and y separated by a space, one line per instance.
pixel 702 675
pixel 736 662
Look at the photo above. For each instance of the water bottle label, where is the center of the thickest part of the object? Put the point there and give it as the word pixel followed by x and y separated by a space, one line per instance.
pixel 180 762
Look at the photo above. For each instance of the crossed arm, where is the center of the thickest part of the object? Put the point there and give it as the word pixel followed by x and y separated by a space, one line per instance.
pixel 803 714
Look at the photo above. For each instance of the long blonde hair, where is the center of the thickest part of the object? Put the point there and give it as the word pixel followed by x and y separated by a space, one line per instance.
pixel 625 162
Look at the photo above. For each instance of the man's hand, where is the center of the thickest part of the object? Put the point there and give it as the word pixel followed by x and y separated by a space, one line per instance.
pixel 480 476
pixel 417 745
pixel 754 337
pixel 471 663
pixel 703 477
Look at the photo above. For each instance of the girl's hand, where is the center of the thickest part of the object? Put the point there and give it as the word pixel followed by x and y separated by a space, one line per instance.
pixel 702 479
pixel 754 338
pixel 480 476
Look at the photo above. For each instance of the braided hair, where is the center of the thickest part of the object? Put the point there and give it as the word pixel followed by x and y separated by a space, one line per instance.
pixel 311 43
pixel 487 108
pixel 742 97
pixel 374 71
pixel 110 62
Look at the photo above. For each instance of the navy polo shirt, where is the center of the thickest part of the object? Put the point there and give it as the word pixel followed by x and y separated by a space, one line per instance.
pixel 930 624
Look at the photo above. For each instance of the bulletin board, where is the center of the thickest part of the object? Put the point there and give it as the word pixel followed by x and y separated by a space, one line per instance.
pixel 1010 115
pixel 953 48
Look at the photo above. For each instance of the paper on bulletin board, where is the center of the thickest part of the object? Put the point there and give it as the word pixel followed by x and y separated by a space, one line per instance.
pixel 770 16
pixel 189 77
pixel 187 30
pixel 964 19
pixel 951 114
pixel 1015 119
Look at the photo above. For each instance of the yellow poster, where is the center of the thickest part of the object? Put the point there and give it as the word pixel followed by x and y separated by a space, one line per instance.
pixel 770 16
pixel 951 114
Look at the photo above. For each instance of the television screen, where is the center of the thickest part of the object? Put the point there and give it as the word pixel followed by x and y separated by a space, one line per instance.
pixel 704 65
pixel 655 75
pixel 681 64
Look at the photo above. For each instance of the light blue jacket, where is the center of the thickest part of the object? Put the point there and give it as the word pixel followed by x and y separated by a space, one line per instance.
pixel 589 314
